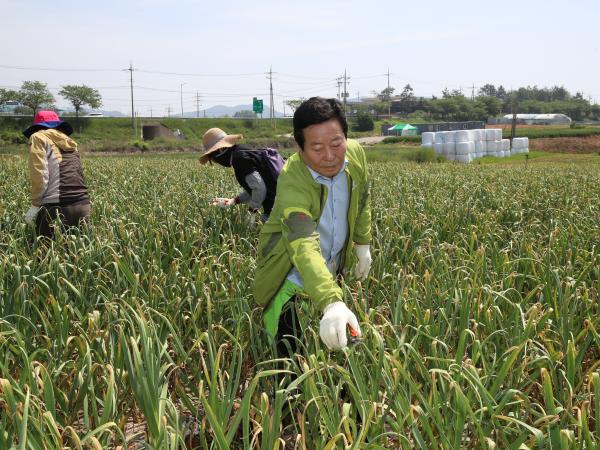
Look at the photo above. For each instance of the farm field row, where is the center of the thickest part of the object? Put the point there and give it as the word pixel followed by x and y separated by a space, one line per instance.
pixel 480 317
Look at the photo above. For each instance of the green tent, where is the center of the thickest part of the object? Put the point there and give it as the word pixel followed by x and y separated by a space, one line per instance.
pixel 403 129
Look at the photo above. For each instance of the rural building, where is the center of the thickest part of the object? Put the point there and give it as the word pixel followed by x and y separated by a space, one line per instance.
pixel 538 119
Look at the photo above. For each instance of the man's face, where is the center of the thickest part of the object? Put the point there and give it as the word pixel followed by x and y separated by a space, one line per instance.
pixel 324 148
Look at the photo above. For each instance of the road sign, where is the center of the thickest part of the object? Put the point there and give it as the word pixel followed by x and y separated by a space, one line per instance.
pixel 257 105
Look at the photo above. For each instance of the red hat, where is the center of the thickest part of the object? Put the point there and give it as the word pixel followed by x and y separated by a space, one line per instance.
pixel 48 119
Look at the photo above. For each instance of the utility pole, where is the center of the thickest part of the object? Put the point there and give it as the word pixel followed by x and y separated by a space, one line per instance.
pixel 169 111
pixel 346 83
pixel 513 128
pixel 389 94
pixel 151 113
pixel 131 69
pixel 181 97
pixel 339 84
pixel 272 105
pixel 197 105
pixel 473 92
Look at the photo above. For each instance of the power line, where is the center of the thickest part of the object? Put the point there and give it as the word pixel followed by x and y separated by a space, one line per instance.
pixel 179 74
pixel 55 69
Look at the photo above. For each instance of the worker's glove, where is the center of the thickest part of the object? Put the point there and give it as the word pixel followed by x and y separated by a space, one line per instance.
pixel 222 202
pixel 335 320
pixel 31 214
pixel 363 265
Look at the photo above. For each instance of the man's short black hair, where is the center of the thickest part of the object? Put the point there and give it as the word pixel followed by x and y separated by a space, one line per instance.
pixel 317 110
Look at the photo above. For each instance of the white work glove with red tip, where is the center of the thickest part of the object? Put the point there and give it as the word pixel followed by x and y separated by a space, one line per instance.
pixel 334 323
pixel 223 202
pixel 363 265
pixel 31 214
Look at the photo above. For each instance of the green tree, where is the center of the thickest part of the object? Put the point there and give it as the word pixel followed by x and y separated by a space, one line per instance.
pixel 501 93
pixel 293 104
pixel 453 93
pixel 490 106
pixel 386 94
pixel 363 121
pixel 33 94
pixel 81 95
pixel 453 108
pixel 407 98
pixel 488 90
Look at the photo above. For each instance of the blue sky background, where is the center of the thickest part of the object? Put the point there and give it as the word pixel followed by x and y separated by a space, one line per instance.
pixel 223 49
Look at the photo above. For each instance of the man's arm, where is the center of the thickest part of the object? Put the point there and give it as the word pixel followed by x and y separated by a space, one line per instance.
pixel 302 243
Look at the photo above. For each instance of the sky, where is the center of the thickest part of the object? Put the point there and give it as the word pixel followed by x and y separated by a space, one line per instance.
pixel 207 53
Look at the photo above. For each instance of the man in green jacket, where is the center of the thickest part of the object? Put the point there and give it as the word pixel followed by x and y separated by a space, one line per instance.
pixel 320 222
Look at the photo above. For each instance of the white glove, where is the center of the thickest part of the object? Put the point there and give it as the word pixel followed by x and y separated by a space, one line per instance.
pixel 363 265
pixel 222 202
pixel 31 214
pixel 332 328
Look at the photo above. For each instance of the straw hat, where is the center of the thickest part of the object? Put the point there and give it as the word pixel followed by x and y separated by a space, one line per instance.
pixel 215 139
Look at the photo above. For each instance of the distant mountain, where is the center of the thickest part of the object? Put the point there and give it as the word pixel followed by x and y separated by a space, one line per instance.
pixel 113 113
pixel 222 111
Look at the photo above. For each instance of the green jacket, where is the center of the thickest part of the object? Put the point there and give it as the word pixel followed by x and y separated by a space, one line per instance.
pixel 289 238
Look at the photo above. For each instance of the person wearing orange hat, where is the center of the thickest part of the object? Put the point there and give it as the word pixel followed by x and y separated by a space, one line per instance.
pixel 58 190
pixel 256 170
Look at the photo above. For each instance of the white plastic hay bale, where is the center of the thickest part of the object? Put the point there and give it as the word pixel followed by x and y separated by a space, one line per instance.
pixel 427 138
pixel 449 148
pixel 476 135
pixel 449 136
pixel 478 146
pixel 438 137
pixel 498 134
pixel 462 136
pixel 484 146
pixel 480 154
pixel 505 145
pixel 490 134
pixel 465 148
pixel 465 159
pixel 498 146
pixel 438 148
pixel 525 142
pixel 525 150
pixel 491 147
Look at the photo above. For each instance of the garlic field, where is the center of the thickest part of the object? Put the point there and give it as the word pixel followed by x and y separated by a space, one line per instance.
pixel 480 319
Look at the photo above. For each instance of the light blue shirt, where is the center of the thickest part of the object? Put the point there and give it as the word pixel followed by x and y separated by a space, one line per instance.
pixel 333 224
